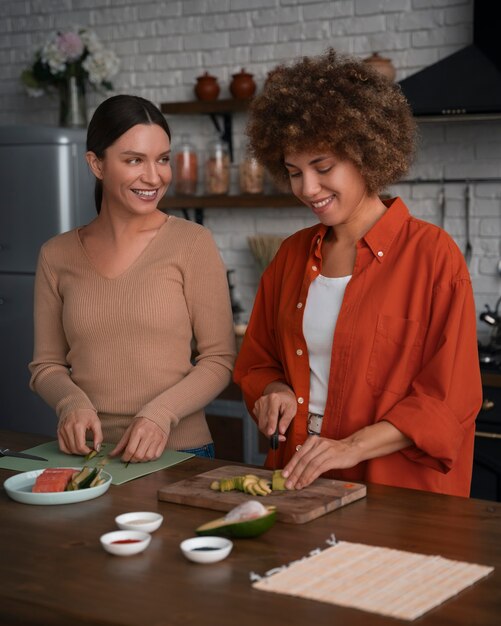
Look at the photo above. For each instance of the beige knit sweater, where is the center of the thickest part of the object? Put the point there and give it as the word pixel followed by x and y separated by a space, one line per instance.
pixel 123 346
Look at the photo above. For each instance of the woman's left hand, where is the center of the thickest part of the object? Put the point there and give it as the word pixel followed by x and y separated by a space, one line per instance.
pixel 315 457
pixel 318 454
pixel 142 441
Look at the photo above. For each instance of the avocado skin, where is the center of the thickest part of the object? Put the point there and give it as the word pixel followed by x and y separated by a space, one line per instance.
pixel 240 530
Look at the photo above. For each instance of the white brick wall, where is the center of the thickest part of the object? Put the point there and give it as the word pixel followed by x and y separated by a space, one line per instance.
pixel 165 44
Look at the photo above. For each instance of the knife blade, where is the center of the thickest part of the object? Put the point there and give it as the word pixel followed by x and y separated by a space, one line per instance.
pixel 274 446
pixel 20 455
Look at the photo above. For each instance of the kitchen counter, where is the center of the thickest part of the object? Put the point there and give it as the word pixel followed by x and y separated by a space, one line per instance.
pixel 54 572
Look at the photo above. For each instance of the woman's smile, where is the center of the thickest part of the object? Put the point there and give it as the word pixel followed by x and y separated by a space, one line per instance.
pixel 319 206
pixel 146 194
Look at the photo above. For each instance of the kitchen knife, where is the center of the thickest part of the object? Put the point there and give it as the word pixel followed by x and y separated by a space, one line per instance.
pixel 20 455
pixel 274 446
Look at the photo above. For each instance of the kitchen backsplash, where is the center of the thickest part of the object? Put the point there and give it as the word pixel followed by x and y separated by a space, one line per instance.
pixel 164 45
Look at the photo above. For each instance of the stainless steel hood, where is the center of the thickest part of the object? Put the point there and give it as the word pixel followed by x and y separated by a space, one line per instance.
pixel 466 84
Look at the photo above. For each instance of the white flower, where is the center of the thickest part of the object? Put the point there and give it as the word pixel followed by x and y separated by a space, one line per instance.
pixel 52 56
pixel 34 93
pixel 74 52
pixel 101 66
pixel 90 41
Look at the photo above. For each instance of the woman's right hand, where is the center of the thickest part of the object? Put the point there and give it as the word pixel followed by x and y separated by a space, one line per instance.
pixel 277 406
pixel 71 432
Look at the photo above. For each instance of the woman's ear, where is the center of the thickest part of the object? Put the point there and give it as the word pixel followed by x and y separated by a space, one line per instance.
pixel 95 164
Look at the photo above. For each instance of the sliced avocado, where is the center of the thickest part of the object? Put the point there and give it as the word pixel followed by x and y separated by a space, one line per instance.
pixel 265 485
pixel 278 481
pixel 227 484
pixel 246 528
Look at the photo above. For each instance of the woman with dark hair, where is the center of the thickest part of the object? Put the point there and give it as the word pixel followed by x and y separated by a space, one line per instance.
pixel 120 302
pixel 361 348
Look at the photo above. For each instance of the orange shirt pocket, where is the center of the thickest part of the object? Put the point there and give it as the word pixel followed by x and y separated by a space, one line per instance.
pixel 395 358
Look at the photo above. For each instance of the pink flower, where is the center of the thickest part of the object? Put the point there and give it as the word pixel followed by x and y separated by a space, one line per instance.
pixel 70 45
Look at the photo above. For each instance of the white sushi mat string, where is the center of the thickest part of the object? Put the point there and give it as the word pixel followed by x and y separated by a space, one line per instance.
pixel 390 582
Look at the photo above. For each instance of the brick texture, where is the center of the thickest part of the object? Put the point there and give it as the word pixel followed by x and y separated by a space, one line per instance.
pixel 165 44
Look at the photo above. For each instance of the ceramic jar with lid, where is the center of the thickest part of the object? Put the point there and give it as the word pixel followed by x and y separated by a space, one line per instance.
pixel 185 168
pixel 242 85
pixel 251 175
pixel 217 168
pixel 383 65
pixel 207 87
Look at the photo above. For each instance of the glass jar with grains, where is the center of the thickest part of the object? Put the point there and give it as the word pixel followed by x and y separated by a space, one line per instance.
pixel 251 175
pixel 185 168
pixel 217 167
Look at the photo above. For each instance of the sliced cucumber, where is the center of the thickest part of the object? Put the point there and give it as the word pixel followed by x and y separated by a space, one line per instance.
pixel 78 478
pixel 87 481
pixel 97 478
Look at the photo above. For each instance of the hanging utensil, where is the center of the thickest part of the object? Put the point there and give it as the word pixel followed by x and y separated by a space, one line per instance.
pixel 441 206
pixel 467 203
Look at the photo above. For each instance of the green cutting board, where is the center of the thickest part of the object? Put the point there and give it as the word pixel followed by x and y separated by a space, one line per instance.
pixel 120 471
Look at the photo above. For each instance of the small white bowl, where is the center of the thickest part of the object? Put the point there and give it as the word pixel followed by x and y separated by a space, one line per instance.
pixel 148 522
pixel 139 542
pixel 206 549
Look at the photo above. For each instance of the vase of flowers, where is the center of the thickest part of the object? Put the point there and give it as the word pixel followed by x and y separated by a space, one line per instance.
pixel 65 65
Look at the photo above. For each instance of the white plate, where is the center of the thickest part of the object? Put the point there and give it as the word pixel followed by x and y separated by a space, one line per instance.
pixel 206 549
pixel 19 488
pixel 146 521
pixel 141 541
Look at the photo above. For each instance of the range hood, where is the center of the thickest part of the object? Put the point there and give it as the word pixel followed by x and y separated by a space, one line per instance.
pixel 466 84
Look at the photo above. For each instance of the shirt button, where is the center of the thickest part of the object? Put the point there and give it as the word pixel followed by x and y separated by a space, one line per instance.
pixel 380 253
pixel 300 400
pixel 299 352
pixel 299 305
pixel 314 268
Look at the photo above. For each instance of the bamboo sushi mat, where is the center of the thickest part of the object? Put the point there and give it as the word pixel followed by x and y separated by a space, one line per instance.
pixel 380 580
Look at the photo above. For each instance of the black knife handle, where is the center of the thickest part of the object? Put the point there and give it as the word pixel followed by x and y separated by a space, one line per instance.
pixel 274 440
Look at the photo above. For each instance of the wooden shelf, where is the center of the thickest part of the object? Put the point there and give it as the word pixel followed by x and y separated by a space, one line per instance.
pixel 491 378
pixel 209 107
pixel 220 112
pixel 224 108
pixel 244 201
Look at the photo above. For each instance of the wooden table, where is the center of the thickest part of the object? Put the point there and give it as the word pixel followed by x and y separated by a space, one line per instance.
pixel 54 572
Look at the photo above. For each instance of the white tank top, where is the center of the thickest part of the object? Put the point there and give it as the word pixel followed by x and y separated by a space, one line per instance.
pixel 323 304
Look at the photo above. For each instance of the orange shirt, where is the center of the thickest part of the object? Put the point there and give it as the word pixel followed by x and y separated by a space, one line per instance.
pixel 404 350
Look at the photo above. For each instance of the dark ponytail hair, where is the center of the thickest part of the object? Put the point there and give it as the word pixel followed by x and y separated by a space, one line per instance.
pixel 114 117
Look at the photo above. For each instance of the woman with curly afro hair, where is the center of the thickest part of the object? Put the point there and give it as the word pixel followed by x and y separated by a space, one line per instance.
pixel 360 354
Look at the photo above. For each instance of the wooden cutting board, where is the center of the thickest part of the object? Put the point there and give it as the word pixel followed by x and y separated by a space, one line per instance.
pixel 294 507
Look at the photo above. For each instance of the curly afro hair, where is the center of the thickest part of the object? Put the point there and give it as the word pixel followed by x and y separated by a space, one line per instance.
pixel 338 104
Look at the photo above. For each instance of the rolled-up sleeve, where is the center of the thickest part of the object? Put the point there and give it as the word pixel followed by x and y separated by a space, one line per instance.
pixel 446 395
pixel 259 363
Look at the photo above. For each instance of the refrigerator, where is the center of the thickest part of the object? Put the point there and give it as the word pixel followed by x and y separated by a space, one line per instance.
pixel 46 189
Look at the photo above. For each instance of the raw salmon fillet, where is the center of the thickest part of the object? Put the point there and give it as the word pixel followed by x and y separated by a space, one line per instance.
pixel 53 479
